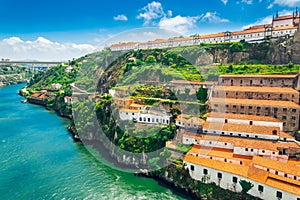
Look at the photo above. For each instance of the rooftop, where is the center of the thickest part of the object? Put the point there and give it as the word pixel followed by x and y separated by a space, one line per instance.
pixel 245 142
pixel 242 128
pixel 292 76
pixel 188 118
pixel 248 172
pixel 242 117
pixel 255 89
pixel 276 165
pixel 270 103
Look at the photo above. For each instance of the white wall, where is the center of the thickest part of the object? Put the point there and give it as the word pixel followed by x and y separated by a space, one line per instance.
pixel 226 182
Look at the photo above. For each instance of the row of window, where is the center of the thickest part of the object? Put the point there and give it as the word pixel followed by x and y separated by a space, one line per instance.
pixel 260 188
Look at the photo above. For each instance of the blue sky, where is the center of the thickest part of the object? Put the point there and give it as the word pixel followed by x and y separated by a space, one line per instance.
pixel 93 21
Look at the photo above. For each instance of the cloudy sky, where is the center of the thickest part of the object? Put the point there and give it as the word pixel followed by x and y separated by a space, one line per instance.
pixel 62 30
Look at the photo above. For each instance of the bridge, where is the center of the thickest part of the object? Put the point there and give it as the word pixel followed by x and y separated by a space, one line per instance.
pixel 30 62
pixel 35 65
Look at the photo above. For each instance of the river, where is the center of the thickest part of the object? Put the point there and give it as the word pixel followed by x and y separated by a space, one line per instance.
pixel 40 160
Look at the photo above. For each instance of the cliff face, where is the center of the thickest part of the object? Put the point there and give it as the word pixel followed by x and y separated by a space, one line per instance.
pixel 286 51
pixel 278 52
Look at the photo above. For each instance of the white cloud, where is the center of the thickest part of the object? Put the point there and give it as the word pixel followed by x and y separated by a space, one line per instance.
pixel 289 3
pixel 42 49
pixel 267 19
pixel 212 17
pixel 120 18
pixel 179 24
pixel 225 1
pixel 247 1
pixel 151 12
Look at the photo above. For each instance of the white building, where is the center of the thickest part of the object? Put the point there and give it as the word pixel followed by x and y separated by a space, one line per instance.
pixel 228 175
pixel 281 26
pixel 145 116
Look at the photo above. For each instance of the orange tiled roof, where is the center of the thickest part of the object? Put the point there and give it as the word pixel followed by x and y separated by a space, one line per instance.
pixel 283 17
pixel 212 35
pixel 291 188
pixel 128 110
pixel 249 31
pixel 276 165
pixel 291 76
pixel 192 82
pixel 36 94
pixel 243 128
pixel 124 44
pixel 258 174
pixel 281 178
pixel 255 89
pixel 245 171
pixel 187 118
pixel 182 39
pixel 227 167
pixel 242 117
pixel 255 102
pixel 245 142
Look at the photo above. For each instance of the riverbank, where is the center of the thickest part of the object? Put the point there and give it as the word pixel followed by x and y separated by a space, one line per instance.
pixel 40 160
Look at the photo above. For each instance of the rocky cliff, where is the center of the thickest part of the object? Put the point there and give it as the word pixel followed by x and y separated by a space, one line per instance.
pixel 276 51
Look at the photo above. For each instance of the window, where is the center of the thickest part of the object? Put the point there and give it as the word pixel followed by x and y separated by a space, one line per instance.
pixel 274 132
pixel 246 149
pixel 260 188
pixel 285 175
pixel 241 162
pixel 205 171
pixel 234 179
pixel 223 133
pixel 140 119
pixel 293 117
pixel 242 107
pixel 219 175
pixel 226 120
pixel 276 172
pixel 263 151
pixel 250 107
pixel 279 195
pixel 284 109
pixel 294 110
pixel 192 167
pixel 132 113
pixel 231 133
pixel 234 106
pixel 251 122
pixel 283 117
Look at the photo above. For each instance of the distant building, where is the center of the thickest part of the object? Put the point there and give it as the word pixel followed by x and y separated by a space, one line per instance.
pixel 68 100
pixel 69 69
pixel 189 122
pixel 56 86
pixel 279 27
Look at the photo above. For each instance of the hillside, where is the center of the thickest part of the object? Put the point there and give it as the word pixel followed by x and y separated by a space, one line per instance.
pixel 13 74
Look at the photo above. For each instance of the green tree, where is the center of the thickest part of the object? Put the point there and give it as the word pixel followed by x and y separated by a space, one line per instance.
pixel 201 94
pixel 150 60
pixel 246 186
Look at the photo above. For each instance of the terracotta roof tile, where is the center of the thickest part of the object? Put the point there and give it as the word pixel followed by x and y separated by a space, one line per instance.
pixel 276 165
pixel 242 128
pixel 291 188
pixel 242 117
pixel 244 142
pixel 255 102
pixel 291 76
pixel 255 89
